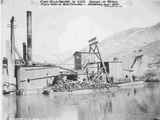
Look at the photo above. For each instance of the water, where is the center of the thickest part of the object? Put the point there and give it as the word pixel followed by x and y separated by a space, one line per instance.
pixel 142 103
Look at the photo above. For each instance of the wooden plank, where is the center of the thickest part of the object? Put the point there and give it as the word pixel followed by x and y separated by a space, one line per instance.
pixel 91 40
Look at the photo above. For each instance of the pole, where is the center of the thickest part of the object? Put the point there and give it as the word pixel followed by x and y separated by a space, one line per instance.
pixel 24 51
pixel 29 37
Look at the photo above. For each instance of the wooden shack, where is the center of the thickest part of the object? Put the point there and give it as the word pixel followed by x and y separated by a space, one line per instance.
pixel 115 70
pixel 81 59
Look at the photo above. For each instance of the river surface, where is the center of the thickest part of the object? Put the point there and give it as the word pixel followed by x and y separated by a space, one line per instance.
pixel 133 103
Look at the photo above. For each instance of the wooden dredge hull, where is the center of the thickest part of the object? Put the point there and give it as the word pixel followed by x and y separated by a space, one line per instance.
pixel 31 80
pixel 136 84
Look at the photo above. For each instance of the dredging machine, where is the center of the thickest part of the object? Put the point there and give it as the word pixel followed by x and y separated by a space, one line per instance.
pixel 22 75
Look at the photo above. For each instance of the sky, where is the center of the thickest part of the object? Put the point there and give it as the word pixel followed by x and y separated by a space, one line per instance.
pixel 57 30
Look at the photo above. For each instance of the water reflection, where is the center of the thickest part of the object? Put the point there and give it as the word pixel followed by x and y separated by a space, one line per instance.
pixel 122 104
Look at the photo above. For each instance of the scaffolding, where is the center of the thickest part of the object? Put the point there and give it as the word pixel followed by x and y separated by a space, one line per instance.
pixel 94 51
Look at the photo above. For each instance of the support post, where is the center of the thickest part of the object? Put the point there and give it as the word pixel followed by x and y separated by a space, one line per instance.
pixel 24 52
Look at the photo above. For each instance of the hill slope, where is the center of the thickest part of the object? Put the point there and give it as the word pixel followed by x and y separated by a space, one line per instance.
pixel 127 41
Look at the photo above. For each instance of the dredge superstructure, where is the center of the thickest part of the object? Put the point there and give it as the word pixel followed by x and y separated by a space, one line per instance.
pixel 22 75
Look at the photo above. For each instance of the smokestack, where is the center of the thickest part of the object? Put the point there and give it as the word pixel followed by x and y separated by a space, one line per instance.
pixel 29 37
pixel 24 52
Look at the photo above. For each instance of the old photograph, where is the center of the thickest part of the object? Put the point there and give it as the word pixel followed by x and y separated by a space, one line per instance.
pixel 80 59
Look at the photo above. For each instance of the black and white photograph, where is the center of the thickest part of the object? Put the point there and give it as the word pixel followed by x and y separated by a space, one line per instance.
pixel 80 59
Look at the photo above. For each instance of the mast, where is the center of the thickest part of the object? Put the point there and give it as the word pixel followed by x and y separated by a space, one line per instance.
pixel 12 38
